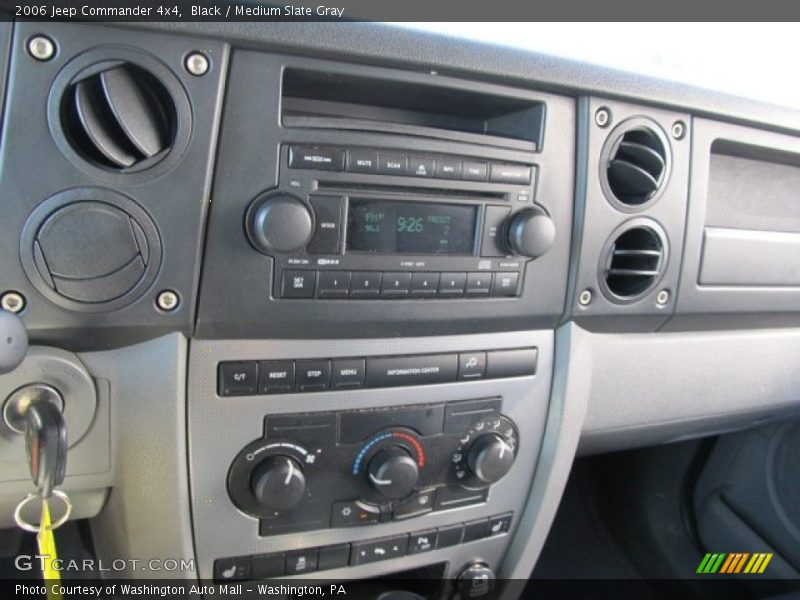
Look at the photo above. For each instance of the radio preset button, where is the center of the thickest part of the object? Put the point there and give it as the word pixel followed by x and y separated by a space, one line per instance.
pixel 452 284
pixel 276 376
pixel 327 232
pixel 393 164
pixel 505 284
pixel 238 378
pixel 421 167
pixel 365 284
pixel 313 375
pixel 448 169
pixel 333 284
pixel 298 284
pixel 362 161
pixel 316 157
pixel 348 373
pixel 396 284
pixel 425 284
pixel 510 174
pixel 474 171
pixel 479 284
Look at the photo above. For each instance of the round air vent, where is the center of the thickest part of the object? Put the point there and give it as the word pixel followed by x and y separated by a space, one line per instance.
pixel 119 116
pixel 117 111
pixel 90 249
pixel 634 261
pixel 635 163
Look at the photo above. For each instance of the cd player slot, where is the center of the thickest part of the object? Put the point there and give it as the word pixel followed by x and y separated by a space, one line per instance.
pixel 330 100
pixel 406 190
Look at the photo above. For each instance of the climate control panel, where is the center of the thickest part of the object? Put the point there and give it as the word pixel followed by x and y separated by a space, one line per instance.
pixel 350 468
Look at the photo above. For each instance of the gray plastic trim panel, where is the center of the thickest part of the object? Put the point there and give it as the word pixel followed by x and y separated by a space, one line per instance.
pixel 220 427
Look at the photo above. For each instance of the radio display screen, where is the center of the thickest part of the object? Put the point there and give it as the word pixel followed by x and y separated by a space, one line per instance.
pixel 388 227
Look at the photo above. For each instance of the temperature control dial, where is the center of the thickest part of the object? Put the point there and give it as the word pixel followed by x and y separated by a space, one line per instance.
pixel 393 472
pixel 278 482
pixel 490 458
pixel 486 452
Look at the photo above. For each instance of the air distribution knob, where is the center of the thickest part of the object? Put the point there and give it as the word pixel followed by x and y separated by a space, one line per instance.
pixel 531 232
pixel 278 482
pixel 279 223
pixel 393 472
pixel 490 458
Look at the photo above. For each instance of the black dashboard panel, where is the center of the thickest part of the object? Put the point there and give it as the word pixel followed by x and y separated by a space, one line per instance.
pixel 238 299
pixel 68 216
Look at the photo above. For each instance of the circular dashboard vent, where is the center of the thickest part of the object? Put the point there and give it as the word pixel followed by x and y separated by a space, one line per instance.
pixel 90 249
pixel 119 116
pixel 633 262
pixel 635 164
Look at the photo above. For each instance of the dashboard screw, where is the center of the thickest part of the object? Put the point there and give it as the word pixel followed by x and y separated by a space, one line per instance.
pixel 662 298
pixel 168 300
pixel 602 117
pixel 197 64
pixel 13 302
pixel 678 130
pixel 585 299
pixel 41 48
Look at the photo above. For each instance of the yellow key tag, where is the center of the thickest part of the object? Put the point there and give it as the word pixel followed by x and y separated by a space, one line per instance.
pixel 47 550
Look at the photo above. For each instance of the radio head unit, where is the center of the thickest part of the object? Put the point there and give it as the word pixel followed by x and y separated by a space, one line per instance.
pixel 355 236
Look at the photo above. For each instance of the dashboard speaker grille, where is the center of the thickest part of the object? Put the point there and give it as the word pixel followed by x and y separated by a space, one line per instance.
pixel 636 166
pixel 119 116
pixel 634 262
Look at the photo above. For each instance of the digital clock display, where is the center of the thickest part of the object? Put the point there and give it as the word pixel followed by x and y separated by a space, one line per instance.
pixel 386 227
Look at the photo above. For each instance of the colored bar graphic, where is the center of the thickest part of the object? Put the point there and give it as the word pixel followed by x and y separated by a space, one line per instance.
pixel 734 563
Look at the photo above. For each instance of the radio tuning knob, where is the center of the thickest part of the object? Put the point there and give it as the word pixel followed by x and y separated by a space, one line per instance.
pixel 279 223
pixel 278 482
pixel 531 232
pixel 393 472
pixel 490 458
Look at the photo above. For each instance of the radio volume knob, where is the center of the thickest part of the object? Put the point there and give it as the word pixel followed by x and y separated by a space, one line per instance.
pixel 279 223
pixel 393 472
pixel 490 458
pixel 278 482
pixel 531 232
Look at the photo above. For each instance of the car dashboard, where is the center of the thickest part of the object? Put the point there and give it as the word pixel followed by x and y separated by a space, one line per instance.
pixel 347 301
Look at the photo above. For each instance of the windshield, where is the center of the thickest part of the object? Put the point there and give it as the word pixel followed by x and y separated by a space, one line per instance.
pixel 752 60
